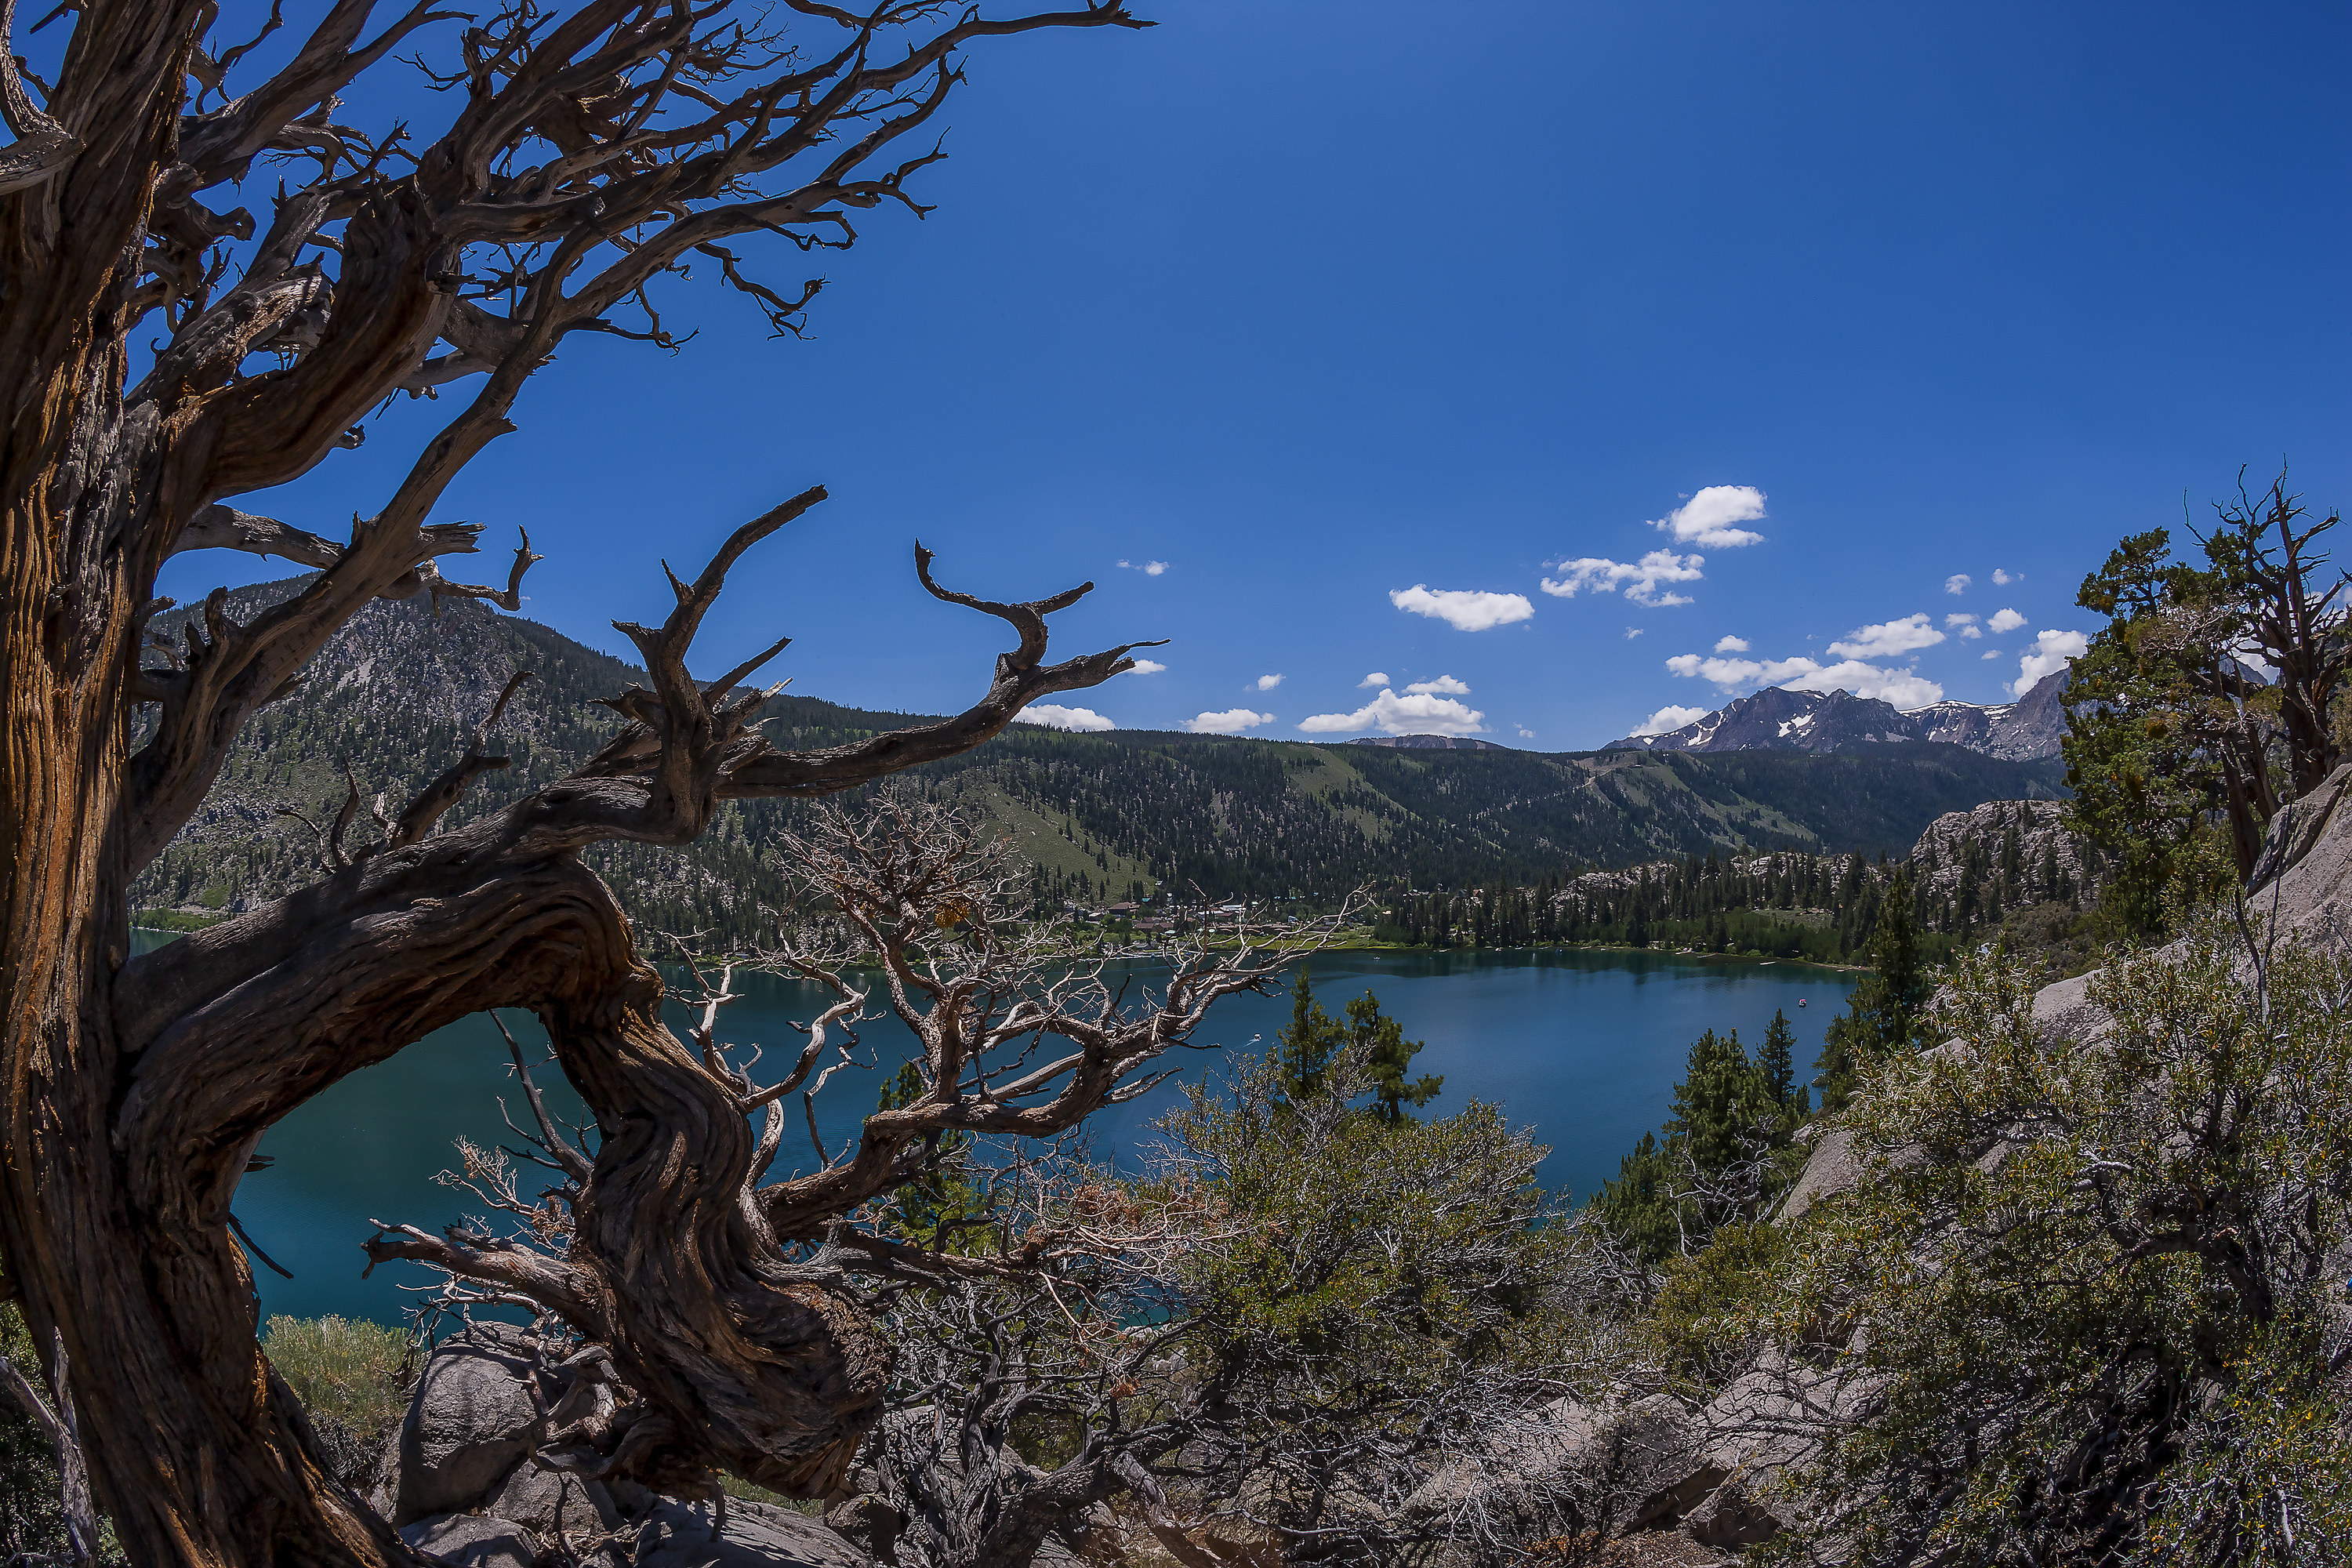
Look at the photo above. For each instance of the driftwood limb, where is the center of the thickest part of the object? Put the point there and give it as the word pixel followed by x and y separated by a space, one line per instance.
pixel 53 1413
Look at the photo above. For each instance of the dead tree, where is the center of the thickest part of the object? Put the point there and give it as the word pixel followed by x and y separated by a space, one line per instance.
pixel 584 160
pixel 1009 1304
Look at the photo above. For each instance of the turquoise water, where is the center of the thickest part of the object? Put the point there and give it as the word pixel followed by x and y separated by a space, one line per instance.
pixel 1584 1047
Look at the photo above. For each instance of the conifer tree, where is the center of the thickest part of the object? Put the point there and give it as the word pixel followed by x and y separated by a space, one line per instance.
pixel 1388 1057
pixel 1883 1015
pixel 1777 1061
pixel 1304 1052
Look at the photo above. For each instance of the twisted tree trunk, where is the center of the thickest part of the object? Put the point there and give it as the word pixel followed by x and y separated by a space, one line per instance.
pixel 132 1093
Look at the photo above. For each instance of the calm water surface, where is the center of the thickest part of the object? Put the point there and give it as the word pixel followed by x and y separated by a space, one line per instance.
pixel 1584 1047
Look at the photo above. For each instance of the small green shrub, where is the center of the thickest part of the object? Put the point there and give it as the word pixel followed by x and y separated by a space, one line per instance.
pixel 1703 1322
pixel 358 1374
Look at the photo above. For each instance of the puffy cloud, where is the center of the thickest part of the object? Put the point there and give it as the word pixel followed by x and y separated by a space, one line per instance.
pixel 1706 519
pixel 2051 651
pixel 1231 721
pixel 1148 667
pixel 1668 719
pixel 1730 645
pixel 1148 568
pixel 2004 621
pixel 1965 625
pixel 1888 639
pixel 1640 579
pixel 1377 678
pixel 1419 713
pixel 1526 733
pixel 1061 717
pixel 1903 687
pixel 1633 632
pixel 1444 686
pixel 2003 579
pixel 1992 653
pixel 1958 583
pixel 1268 682
pixel 1464 609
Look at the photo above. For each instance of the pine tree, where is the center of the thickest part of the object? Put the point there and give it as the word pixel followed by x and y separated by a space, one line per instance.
pixel 1388 1056
pixel 1303 1052
pixel 1777 1061
pixel 1883 1015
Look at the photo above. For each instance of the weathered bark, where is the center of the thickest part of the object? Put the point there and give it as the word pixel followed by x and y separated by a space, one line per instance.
pixel 132 1093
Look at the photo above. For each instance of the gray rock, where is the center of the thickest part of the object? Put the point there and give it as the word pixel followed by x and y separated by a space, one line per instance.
pixel 1520 1456
pixel 549 1500
pixel 1570 1467
pixel 1832 1169
pixel 2299 829
pixel 469 1540
pixel 757 1535
pixel 472 1420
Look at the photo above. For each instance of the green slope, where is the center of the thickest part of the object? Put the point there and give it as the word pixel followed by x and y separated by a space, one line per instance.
pixel 1098 815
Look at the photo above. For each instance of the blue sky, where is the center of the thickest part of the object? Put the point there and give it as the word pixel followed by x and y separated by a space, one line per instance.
pixel 1348 311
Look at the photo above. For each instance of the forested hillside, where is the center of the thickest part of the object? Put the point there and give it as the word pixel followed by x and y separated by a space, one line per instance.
pixel 1098 815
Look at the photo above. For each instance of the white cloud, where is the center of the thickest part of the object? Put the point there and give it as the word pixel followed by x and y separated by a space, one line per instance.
pixel 1640 579
pixel 1231 721
pixel 1444 686
pixel 1418 714
pixel 1965 625
pixel 1730 645
pixel 1268 682
pixel 2051 651
pixel 1708 517
pixel 1526 733
pixel 1903 687
pixel 1377 678
pixel 1061 718
pixel 2003 579
pixel 1888 639
pixel 1958 583
pixel 1633 632
pixel 1148 568
pixel 1959 619
pixel 1992 653
pixel 1148 667
pixel 1971 633
pixel 1464 609
pixel 2004 621
pixel 1667 719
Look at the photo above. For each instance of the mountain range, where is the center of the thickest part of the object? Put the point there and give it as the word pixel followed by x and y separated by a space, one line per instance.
pixel 1783 720
pixel 1097 817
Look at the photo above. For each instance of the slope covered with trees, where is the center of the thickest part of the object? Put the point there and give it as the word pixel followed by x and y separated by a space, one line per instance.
pixel 1098 817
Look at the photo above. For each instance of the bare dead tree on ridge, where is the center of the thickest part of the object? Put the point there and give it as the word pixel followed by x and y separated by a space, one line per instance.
pixel 163 352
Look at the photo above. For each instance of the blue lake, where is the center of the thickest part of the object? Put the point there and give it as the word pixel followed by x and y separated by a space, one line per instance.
pixel 1583 1047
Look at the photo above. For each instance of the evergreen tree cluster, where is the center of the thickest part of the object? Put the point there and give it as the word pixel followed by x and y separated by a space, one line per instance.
pixel 1823 909
pixel 1725 1154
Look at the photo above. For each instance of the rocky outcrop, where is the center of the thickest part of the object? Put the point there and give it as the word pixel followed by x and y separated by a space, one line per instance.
pixel 471 1479
pixel 2302 887
pixel 1656 1463
pixel 2050 858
